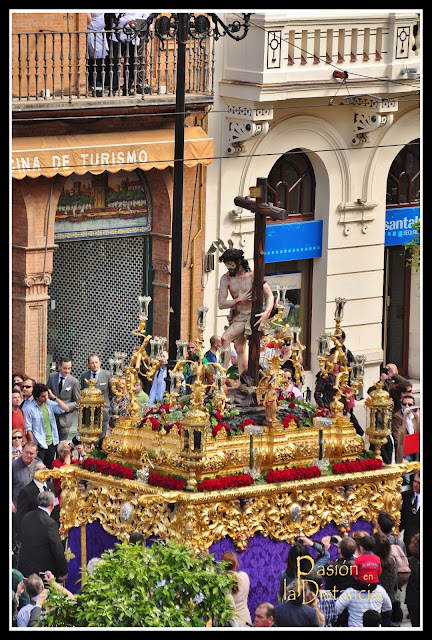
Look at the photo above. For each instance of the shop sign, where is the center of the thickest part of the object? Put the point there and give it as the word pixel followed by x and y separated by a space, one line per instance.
pixel 293 241
pixel 399 225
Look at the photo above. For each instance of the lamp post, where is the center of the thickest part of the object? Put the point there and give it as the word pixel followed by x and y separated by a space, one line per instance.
pixel 182 26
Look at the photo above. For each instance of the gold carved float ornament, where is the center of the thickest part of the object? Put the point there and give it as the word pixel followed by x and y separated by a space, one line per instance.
pixel 276 447
pixel 282 510
pixel 279 511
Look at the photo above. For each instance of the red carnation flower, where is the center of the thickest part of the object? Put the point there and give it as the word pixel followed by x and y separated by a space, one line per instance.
pixel 154 423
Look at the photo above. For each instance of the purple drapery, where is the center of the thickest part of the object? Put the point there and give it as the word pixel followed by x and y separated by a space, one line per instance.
pixel 263 560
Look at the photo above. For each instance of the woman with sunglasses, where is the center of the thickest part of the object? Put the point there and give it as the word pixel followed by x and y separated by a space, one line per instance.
pixel 406 421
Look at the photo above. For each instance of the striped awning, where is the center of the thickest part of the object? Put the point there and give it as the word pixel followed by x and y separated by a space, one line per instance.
pixel 95 153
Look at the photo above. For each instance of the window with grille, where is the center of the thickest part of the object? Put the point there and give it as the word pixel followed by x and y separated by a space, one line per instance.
pixel 291 185
pixel 403 181
pixel 94 298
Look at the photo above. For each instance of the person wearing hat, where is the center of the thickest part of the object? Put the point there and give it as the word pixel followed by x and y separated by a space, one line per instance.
pixel 238 283
pixel 365 592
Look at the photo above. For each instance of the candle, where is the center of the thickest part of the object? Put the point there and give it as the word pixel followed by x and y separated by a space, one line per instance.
pixel 202 317
pixel 282 292
pixel 295 336
pixel 323 344
pixel 360 360
pixel 339 307
pixel 320 443
pixel 144 302
pixel 181 345
pixel 111 366
pixel 152 348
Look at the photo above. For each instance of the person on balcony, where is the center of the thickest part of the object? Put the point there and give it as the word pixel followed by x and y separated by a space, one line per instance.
pixel 97 49
pixel 126 46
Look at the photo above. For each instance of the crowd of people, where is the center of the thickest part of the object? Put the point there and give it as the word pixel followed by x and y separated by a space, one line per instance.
pixel 363 587
pixel 42 417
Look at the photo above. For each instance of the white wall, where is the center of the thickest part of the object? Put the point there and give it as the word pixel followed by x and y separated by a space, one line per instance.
pixel 352 261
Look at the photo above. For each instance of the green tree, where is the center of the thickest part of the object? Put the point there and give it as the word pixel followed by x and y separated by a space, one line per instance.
pixel 165 585
pixel 412 249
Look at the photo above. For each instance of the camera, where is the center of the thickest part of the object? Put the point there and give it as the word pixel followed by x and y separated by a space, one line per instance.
pixel 385 370
pixel 76 440
pixel 42 575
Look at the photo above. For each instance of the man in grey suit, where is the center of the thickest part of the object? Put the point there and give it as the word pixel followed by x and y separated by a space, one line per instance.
pixel 103 378
pixel 67 388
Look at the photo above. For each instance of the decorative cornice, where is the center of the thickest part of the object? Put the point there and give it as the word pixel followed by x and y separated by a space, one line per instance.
pixel 371 113
pixel 245 121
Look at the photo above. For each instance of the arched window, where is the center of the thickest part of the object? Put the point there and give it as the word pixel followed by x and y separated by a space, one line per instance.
pixel 291 185
pixel 403 181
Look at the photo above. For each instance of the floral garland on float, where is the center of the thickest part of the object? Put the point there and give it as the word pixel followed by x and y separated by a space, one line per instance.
pixel 230 420
pixel 365 462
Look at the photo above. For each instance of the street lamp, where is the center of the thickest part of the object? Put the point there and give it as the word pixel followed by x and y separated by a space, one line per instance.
pixel 181 26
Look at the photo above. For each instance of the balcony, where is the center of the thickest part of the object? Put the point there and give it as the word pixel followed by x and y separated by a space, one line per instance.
pixel 289 55
pixel 53 69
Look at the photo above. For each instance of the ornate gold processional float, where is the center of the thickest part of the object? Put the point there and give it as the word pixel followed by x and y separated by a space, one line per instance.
pixel 181 472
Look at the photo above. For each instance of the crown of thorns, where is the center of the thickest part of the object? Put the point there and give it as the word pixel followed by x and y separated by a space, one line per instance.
pixel 232 255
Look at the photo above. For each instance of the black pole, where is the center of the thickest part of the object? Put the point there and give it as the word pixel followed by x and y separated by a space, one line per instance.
pixel 177 214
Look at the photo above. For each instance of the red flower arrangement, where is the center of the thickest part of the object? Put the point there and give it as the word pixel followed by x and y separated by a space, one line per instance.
pixel 288 418
pixel 322 412
pixel 356 466
pixel 154 423
pixel 164 407
pixel 219 426
pixel 108 468
pixel 246 422
pixel 174 424
pixel 166 482
pixel 226 482
pixel 286 475
pixel 288 397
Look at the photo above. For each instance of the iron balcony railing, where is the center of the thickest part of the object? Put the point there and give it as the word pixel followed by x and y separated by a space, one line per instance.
pixel 52 65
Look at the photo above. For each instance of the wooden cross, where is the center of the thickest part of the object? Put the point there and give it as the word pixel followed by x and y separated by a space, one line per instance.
pixel 258 205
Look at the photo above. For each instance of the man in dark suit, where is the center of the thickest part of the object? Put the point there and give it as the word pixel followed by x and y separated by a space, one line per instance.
pixel 410 512
pixel 28 496
pixel 103 378
pixel 41 546
pixel 293 612
pixel 67 388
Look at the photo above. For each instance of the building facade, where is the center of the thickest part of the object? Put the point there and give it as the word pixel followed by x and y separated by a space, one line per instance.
pixel 325 105
pixel 93 185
